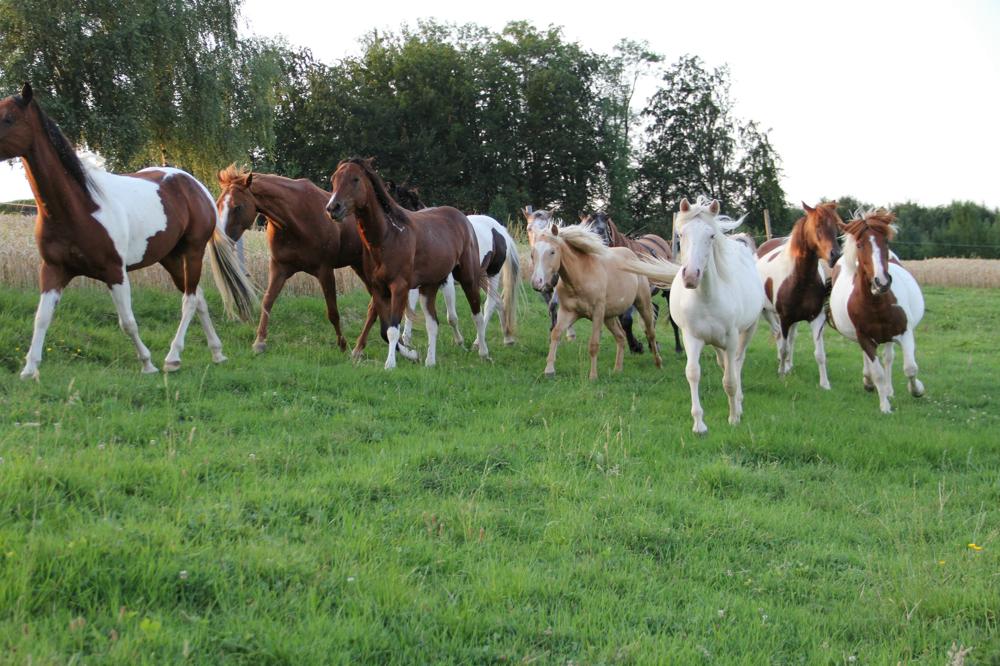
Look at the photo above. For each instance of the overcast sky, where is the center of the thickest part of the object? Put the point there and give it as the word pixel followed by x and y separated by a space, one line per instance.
pixel 883 100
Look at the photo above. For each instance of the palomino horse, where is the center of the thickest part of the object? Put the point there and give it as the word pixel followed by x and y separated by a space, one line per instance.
pixel 300 235
pixel 539 221
pixel 497 254
pixel 876 301
pixel 716 299
pixel 407 250
pixel 795 282
pixel 647 245
pixel 102 225
pixel 593 281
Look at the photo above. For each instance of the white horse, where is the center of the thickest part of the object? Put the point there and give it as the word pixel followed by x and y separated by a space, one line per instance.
pixel 716 299
pixel 876 301
pixel 502 270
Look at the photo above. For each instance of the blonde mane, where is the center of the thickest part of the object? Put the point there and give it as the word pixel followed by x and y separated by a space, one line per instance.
pixel 700 208
pixel 579 237
pixel 231 174
pixel 725 246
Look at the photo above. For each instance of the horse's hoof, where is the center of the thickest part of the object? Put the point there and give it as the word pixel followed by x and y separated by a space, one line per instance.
pixel 550 375
pixel 171 366
pixel 825 386
pixel 221 358
pixel 734 420
pixel 357 355
pixel 636 349
pixel 342 344
pixel 390 365
pixel 917 389
pixel 27 374
pixel 509 341
pixel 259 347
pixel 151 369
pixel 699 429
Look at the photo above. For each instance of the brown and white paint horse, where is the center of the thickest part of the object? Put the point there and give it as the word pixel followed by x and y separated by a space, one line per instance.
pixel 795 281
pixel 102 225
pixel 407 250
pixel 300 235
pixel 876 301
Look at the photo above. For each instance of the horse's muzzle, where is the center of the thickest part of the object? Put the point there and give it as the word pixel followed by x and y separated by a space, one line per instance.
pixel 691 278
pixel 336 210
pixel 879 288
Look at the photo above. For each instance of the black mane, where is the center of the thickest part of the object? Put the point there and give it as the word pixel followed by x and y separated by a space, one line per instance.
pixel 389 207
pixel 64 149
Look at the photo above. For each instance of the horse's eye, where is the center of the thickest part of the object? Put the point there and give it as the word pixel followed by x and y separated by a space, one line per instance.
pixel 357 179
pixel 8 120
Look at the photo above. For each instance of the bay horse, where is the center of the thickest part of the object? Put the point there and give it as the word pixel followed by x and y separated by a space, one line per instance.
pixel 407 250
pixel 102 225
pixel 300 235
pixel 796 282
pixel 647 245
pixel 875 301
pixel 499 257
pixel 596 282
pixel 717 300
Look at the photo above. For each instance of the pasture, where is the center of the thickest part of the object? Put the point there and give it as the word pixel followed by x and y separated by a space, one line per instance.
pixel 295 507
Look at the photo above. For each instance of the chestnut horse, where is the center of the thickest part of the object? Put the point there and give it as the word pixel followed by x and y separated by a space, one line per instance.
pixel 300 235
pixel 102 225
pixel 407 250
pixel 647 245
pixel 876 301
pixel 796 283
pixel 594 282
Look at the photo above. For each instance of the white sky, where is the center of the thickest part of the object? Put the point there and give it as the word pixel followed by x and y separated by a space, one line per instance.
pixel 884 100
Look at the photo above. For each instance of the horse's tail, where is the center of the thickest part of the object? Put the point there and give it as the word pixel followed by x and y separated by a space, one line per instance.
pixel 660 272
pixel 239 295
pixel 509 277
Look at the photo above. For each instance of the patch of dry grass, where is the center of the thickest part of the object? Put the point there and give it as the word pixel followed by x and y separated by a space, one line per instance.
pixel 953 272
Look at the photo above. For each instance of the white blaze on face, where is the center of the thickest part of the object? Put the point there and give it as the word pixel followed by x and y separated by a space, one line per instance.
pixel 541 274
pixel 330 202
pixel 880 277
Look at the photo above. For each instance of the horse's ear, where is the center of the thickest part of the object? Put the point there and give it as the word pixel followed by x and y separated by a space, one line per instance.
pixel 807 208
pixel 713 207
pixel 554 230
pixel 685 205
pixel 27 94
pixel 583 218
pixel 527 211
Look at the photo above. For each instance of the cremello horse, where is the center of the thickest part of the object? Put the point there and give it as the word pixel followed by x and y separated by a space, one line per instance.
pixel 876 301
pixel 716 299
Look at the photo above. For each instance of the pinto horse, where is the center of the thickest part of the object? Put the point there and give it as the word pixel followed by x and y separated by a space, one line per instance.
pixel 103 225
pixel 795 282
pixel 717 299
pixel 647 245
pixel 497 254
pixel 300 235
pixel 407 250
pixel 593 281
pixel 876 301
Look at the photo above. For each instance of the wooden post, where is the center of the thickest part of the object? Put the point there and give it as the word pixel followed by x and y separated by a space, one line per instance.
pixel 673 237
pixel 767 224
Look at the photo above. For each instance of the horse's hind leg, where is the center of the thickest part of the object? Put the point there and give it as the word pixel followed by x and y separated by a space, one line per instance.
pixel 214 343
pixel 451 312
pixel 493 304
pixel 53 280
pixel 615 326
pixel 328 283
pixel 594 347
pixel 626 321
pixel 277 275
pixel 185 271
pixel 909 345
pixel 411 310
pixel 467 278
pixel 121 294
pixel 428 296
pixel 646 309
pixel 817 325
pixel 678 348
pixel 358 352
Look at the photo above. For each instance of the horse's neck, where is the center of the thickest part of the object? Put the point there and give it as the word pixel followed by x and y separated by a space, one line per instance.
pixel 59 196
pixel 805 261
pixel 571 265
pixel 287 203
pixel 373 225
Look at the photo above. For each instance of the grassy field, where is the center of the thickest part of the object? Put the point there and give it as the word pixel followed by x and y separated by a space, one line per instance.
pixel 297 508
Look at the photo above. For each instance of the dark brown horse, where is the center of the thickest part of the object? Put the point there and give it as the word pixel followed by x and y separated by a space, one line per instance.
pixel 795 282
pixel 102 225
pixel 407 250
pixel 300 235
pixel 647 245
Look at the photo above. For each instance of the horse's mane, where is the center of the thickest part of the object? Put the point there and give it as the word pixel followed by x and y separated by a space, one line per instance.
pixel 386 202
pixel 64 149
pixel 722 223
pixel 405 195
pixel 581 238
pixel 879 220
pixel 232 174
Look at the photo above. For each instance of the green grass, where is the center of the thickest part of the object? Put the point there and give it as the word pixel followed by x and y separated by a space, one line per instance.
pixel 297 508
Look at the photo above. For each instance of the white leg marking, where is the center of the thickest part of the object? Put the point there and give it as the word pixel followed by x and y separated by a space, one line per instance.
pixel 43 317
pixel 493 304
pixel 909 346
pixel 817 325
pixel 407 337
pixel 888 355
pixel 692 370
pixel 449 304
pixel 121 294
pixel 481 334
pixel 214 343
pixel 189 305
pixel 393 335
pixel 432 334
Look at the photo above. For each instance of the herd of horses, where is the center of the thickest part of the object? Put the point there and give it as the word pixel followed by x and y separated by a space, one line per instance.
pixel 102 225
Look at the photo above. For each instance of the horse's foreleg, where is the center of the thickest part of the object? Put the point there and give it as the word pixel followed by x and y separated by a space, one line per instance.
pixel 693 347
pixel 121 294
pixel 873 368
pixel 277 276
pixel 888 355
pixel 471 288
pixel 564 319
pixel 52 282
pixel 397 303
pixel 626 321
pixel 428 296
pixel 189 306
pixel 362 341
pixel 412 298
pixel 909 345
pixel 328 283
pixel 817 325
pixel 597 322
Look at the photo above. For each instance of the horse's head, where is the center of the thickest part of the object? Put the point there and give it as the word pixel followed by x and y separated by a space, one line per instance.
pixel 351 187
pixel 871 232
pixel 17 131
pixel 598 223
pixel 538 221
pixel 821 230
pixel 546 258
pixel 406 196
pixel 698 233
pixel 237 205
